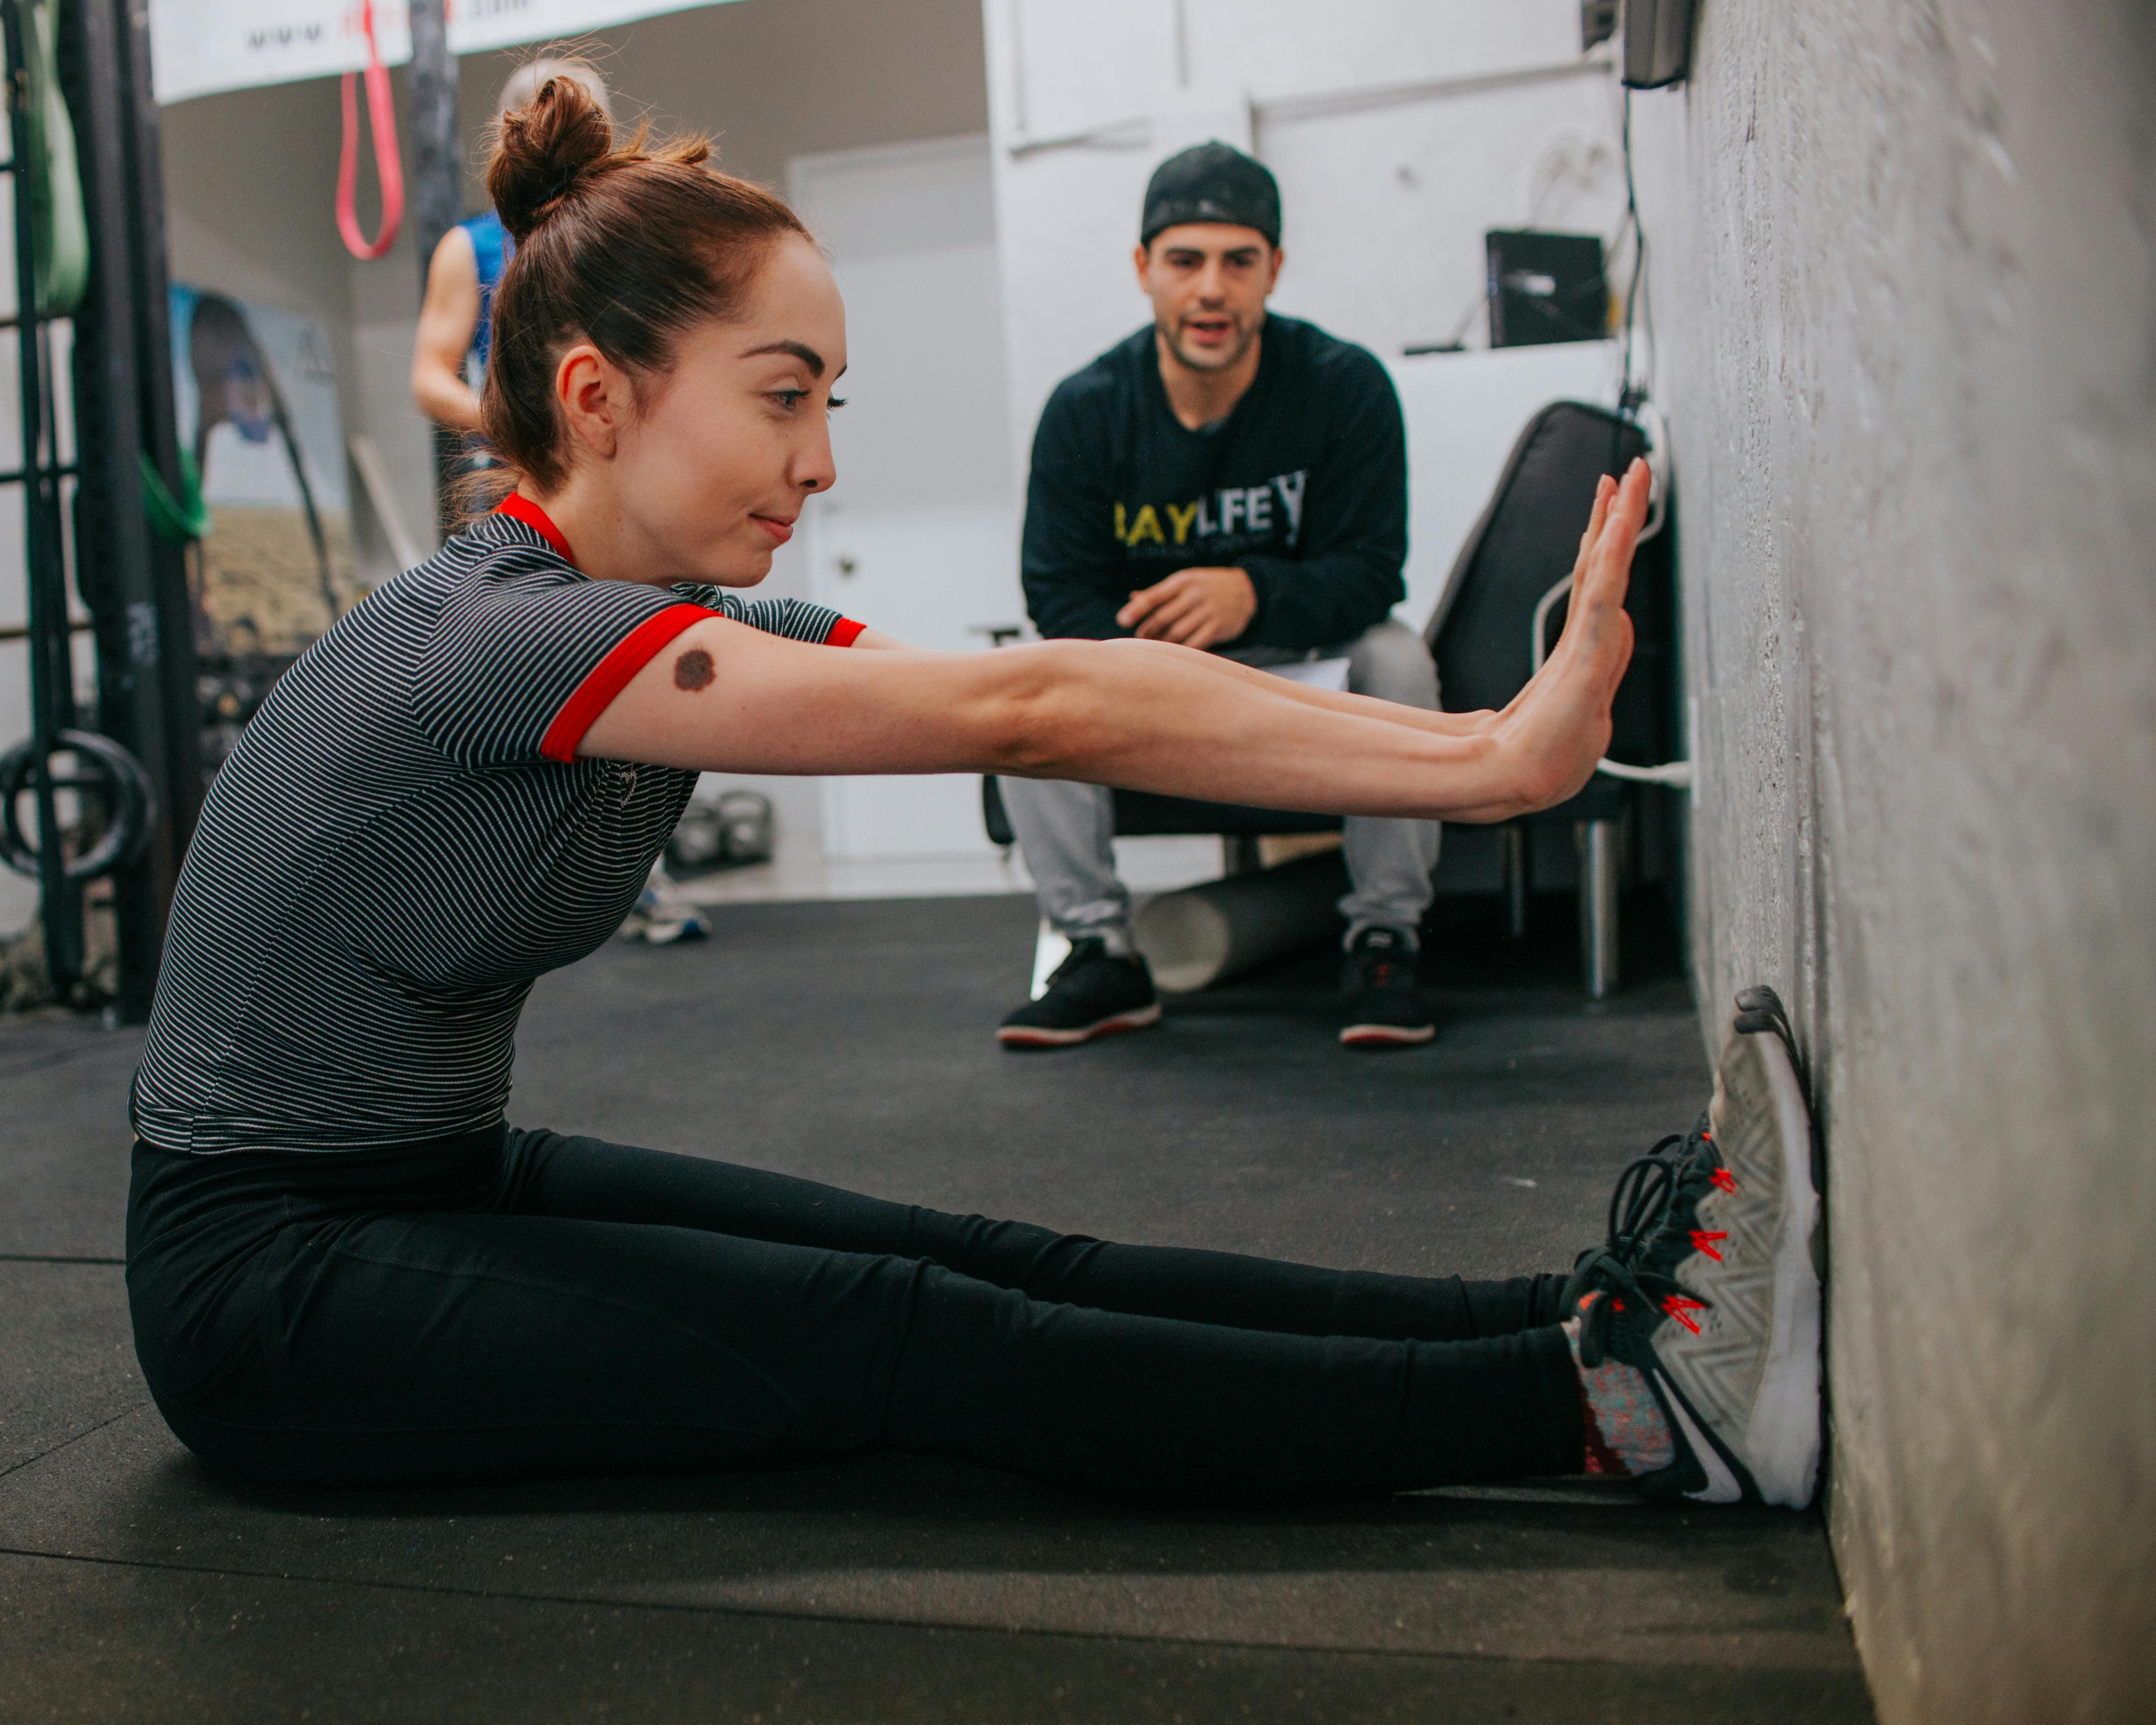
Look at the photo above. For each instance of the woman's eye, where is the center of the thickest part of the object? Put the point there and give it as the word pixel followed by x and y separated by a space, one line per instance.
pixel 836 401
pixel 788 399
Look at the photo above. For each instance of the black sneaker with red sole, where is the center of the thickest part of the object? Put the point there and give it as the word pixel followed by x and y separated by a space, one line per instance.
pixel 1383 1005
pixel 1093 993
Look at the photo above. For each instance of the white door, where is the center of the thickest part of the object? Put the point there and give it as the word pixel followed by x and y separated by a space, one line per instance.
pixel 919 538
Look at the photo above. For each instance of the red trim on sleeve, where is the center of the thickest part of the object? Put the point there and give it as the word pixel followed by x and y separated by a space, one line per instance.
pixel 524 510
pixel 612 675
pixel 844 633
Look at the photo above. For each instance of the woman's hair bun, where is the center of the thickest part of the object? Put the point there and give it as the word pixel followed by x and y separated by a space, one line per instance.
pixel 542 147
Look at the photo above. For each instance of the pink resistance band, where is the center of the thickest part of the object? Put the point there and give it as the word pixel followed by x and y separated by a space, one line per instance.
pixel 389 170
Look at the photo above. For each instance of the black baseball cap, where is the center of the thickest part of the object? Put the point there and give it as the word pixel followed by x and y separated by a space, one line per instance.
pixel 1212 183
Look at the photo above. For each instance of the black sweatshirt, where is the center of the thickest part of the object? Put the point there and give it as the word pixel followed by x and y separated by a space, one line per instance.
pixel 1303 487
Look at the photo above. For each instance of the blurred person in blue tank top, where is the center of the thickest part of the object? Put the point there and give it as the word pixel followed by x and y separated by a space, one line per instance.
pixel 449 359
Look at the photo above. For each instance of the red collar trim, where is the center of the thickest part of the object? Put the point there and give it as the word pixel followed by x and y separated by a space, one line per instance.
pixel 523 508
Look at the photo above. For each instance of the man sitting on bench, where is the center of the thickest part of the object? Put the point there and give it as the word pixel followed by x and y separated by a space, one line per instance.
pixel 1234 481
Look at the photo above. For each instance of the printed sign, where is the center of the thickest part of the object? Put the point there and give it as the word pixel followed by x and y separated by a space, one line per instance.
pixel 199 47
pixel 256 393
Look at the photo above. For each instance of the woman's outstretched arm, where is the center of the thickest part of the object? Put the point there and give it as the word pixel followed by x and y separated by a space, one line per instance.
pixel 1138 714
pixel 1445 724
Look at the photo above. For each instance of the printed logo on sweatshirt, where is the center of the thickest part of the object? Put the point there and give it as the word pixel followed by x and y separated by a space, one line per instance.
pixel 1244 513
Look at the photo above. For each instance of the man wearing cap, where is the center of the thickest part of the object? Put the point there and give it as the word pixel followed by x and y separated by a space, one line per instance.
pixel 1235 481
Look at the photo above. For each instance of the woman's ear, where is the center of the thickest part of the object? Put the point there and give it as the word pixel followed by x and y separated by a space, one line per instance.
pixel 594 396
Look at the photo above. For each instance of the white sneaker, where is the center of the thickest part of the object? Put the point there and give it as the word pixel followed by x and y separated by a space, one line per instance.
pixel 1707 1285
pixel 661 916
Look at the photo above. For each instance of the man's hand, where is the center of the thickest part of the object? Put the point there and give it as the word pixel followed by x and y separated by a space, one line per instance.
pixel 1193 607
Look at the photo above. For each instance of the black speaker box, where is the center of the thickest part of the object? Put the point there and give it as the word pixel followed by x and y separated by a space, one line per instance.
pixel 1546 287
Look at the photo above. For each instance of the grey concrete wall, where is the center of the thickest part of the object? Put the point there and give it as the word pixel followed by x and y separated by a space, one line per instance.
pixel 1905 281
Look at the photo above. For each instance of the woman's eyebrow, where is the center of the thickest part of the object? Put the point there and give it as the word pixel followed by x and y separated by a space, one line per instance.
pixel 800 350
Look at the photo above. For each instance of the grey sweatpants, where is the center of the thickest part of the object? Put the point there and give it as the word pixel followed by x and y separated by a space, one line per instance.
pixel 1064 829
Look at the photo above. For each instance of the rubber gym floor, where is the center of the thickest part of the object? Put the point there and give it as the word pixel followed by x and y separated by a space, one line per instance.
pixel 850 1042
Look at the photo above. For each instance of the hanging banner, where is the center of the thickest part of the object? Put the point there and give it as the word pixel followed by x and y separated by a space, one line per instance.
pixel 200 47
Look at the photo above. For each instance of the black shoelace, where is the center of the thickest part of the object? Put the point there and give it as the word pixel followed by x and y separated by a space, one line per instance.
pixel 1637 1208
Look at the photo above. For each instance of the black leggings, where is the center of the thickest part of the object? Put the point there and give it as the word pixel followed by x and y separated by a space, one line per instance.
pixel 519 1303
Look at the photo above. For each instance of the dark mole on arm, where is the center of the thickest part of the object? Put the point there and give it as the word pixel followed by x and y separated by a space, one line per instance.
pixel 692 670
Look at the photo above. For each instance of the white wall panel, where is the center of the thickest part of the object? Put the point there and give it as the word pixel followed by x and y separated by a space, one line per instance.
pixel 1387 186
pixel 1385 209
pixel 1276 48
pixel 1086 61
pixel 1464 412
pixel 1070 221
pixel 919 535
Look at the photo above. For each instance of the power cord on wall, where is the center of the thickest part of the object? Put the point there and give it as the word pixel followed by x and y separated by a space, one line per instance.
pixel 1634 390
pixel 1676 774
pixel 1633 403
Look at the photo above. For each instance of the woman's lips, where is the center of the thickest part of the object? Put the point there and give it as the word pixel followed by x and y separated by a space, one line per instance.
pixel 780 532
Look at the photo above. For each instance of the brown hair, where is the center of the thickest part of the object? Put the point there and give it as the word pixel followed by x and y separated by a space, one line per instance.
pixel 627 248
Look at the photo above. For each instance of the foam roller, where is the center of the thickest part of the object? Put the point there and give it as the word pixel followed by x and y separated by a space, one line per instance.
pixel 1222 929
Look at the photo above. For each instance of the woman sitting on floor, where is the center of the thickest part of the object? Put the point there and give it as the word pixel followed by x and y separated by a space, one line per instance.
pixel 345 1265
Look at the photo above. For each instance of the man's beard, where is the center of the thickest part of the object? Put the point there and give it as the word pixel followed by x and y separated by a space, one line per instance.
pixel 1205 362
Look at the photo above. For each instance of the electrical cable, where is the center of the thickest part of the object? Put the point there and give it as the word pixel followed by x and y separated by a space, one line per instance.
pixel 388 167
pixel 1633 406
pixel 1634 390
pixel 1676 774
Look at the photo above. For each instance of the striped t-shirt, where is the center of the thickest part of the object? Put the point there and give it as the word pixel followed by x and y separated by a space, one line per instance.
pixel 404 841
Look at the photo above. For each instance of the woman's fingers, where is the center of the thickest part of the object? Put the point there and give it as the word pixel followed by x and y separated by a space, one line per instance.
pixel 1612 528
pixel 1606 488
pixel 1607 567
pixel 1604 572
pixel 1561 718
pixel 1605 492
pixel 1598 600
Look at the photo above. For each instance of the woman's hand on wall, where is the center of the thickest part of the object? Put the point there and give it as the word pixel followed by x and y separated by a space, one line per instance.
pixel 1144 715
pixel 1558 726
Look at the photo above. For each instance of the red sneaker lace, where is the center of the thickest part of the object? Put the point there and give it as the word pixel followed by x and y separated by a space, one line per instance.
pixel 1703 1241
pixel 1682 1309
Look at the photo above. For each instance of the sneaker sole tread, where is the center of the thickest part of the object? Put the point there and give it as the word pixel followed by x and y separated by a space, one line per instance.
pixel 1386 1035
pixel 1038 1036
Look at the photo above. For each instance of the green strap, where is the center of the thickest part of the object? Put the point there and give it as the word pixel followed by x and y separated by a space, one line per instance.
pixel 59 229
pixel 175 519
